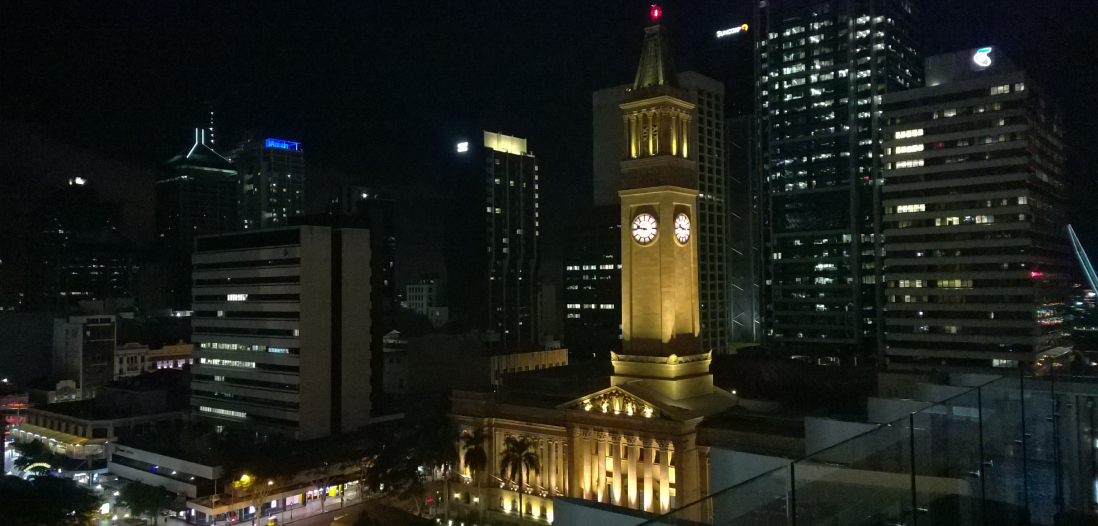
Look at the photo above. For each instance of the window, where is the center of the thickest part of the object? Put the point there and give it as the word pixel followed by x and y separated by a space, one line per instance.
pixel 952 112
pixel 947 221
pixel 955 283
pixel 226 363
pixel 1021 86
pixel 909 283
pixel 237 297
pixel 909 149
pixel 909 133
pixel 223 412
pixel 904 209
pixel 909 164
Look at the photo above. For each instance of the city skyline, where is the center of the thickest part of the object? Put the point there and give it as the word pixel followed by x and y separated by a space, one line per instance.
pixel 764 262
pixel 145 122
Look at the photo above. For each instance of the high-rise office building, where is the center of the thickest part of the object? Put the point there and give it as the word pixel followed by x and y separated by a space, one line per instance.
pixel 492 267
pixel 71 249
pixel 706 144
pixel 977 260
pixel 822 66
pixel 272 182
pixel 196 196
pixel 83 351
pixel 282 330
pixel 592 286
pixel 361 207
pixel 745 322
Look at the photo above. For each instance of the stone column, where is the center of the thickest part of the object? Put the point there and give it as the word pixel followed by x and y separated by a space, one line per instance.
pixel 675 133
pixel 583 467
pixel 627 143
pixel 600 471
pixel 634 451
pixel 552 466
pixel 621 484
pixel 649 467
pixel 686 136
pixel 665 480
pixel 634 135
pixel 615 468
pixel 540 477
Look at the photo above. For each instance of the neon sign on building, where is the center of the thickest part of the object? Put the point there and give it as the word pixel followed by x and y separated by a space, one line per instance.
pixel 282 145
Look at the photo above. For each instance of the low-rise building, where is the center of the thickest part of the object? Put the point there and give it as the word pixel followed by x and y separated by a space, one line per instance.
pixel 81 430
pixel 191 477
pixel 427 363
pixel 133 359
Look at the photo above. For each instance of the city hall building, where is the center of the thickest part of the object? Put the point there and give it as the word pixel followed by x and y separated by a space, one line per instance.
pixel 629 437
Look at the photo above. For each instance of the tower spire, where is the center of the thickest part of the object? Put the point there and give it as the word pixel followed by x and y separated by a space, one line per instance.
pixel 656 65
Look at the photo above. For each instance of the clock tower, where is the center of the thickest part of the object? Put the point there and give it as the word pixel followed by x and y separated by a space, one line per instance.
pixel 659 251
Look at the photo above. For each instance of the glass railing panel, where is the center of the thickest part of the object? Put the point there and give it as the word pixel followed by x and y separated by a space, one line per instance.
pixel 1003 471
pixel 948 487
pixel 760 501
pixel 1042 469
pixel 864 480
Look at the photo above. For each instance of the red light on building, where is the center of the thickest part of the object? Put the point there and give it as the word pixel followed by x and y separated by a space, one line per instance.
pixel 1035 274
pixel 656 12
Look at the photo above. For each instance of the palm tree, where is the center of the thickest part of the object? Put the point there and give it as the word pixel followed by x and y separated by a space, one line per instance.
pixel 518 454
pixel 476 458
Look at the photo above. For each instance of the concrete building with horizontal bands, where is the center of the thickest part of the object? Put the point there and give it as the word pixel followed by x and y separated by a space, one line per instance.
pixel 977 259
pixel 282 330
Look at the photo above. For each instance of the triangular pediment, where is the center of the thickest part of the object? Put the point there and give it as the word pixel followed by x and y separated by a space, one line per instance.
pixel 615 401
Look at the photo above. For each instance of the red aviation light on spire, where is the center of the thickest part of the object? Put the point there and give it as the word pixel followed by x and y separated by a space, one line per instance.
pixel 655 12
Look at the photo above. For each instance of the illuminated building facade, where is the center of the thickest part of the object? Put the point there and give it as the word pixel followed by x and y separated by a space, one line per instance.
pixel 630 441
pixel 977 258
pixel 492 256
pixel 196 196
pixel 822 66
pixel 707 147
pixel 282 330
pixel 272 182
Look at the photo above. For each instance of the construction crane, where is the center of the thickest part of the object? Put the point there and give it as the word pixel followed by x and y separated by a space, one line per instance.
pixel 1084 261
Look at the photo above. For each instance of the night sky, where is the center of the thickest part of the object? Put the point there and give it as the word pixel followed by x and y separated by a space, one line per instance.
pixel 378 92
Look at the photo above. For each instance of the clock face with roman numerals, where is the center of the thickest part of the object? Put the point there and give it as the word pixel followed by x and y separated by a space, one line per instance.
pixel 644 228
pixel 682 228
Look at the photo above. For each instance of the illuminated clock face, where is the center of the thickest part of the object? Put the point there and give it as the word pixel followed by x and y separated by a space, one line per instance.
pixel 644 228
pixel 682 228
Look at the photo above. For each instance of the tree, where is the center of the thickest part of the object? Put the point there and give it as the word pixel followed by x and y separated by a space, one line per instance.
pixel 35 452
pixel 254 490
pixel 319 477
pixel 144 500
pixel 46 501
pixel 517 456
pixel 476 459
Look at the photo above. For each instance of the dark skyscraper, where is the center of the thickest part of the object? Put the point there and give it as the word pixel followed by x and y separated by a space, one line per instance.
pixel 744 250
pixel 492 281
pixel 822 66
pixel 75 252
pixel 977 261
pixel 592 286
pixel 197 196
pixel 359 207
pixel 272 182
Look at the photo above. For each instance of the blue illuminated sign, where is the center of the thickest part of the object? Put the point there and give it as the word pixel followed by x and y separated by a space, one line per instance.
pixel 284 145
